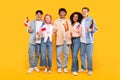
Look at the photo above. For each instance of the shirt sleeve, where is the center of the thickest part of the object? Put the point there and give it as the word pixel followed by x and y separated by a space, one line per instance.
pixel 29 25
pixel 95 27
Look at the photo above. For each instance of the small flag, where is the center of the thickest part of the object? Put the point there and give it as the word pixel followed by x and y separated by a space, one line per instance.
pixel 92 25
pixel 42 24
pixel 66 26
pixel 26 21
pixel 78 26
pixel 43 29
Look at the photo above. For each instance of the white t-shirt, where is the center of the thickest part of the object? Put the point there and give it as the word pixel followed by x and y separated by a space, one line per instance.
pixel 83 35
pixel 38 26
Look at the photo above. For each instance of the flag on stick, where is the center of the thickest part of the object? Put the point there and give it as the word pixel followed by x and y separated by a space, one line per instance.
pixel 43 29
pixel 78 26
pixel 26 21
pixel 92 25
pixel 66 26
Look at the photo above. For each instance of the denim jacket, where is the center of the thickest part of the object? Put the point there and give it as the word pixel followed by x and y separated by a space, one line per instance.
pixel 90 35
pixel 33 33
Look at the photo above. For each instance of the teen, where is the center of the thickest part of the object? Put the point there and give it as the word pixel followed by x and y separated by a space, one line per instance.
pixel 46 43
pixel 76 19
pixel 34 44
pixel 63 39
pixel 87 40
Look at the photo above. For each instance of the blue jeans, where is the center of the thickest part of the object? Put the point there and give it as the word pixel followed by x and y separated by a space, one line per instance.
pixel 60 48
pixel 86 51
pixel 34 53
pixel 75 48
pixel 46 46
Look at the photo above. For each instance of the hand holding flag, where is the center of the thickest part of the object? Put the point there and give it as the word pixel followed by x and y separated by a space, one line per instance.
pixel 43 29
pixel 91 26
pixel 78 26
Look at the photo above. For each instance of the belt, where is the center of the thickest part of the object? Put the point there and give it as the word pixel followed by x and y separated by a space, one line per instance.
pixel 75 37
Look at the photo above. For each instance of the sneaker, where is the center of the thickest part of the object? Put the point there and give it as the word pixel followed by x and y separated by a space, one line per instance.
pixel 65 70
pixel 30 70
pixel 89 72
pixel 45 70
pixel 81 70
pixel 59 70
pixel 36 69
pixel 49 70
pixel 75 73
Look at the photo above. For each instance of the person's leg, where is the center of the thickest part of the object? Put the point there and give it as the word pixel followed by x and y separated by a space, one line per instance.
pixel 40 56
pixel 72 49
pixel 37 53
pixel 66 54
pixel 49 54
pixel 31 52
pixel 59 52
pixel 89 51
pixel 76 46
pixel 83 56
pixel 49 44
pixel 43 53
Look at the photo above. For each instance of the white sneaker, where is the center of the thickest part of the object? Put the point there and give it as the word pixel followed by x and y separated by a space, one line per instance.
pixel 30 70
pixel 89 72
pixel 36 69
pixel 59 70
pixel 75 73
pixel 65 70
pixel 45 70
pixel 49 71
pixel 81 70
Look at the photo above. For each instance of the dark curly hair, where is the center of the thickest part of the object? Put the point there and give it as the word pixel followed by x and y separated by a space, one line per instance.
pixel 62 9
pixel 80 17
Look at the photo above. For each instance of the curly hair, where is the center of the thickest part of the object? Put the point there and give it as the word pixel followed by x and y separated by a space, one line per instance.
pixel 80 17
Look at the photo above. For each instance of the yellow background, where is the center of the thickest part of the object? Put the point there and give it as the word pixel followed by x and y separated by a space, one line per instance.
pixel 14 38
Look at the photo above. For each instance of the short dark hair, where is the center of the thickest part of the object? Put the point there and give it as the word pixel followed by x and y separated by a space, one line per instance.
pixel 62 9
pixel 80 17
pixel 39 11
pixel 86 8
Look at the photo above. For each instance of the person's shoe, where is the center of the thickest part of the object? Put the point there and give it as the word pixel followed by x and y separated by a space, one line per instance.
pixel 75 73
pixel 49 70
pixel 65 70
pixel 81 70
pixel 30 70
pixel 45 70
pixel 89 72
pixel 59 70
pixel 36 69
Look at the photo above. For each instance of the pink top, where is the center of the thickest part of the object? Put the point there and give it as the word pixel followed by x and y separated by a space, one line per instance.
pixel 76 30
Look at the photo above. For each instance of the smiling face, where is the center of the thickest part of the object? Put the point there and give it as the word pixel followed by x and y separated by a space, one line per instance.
pixel 62 14
pixel 75 18
pixel 38 16
pixel 85 12
pixel 48 19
